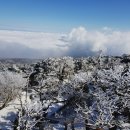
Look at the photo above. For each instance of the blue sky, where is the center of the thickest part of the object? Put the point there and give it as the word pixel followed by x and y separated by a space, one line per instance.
pixel 62 15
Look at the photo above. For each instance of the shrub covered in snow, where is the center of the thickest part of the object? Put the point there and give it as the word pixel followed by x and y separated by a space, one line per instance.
pixel 10 85
pixel 92 92
pixel 76 93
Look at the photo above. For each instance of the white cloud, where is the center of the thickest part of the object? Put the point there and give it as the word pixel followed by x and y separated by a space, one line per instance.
pixel 29 44
pixel 79 42
pixel 107 28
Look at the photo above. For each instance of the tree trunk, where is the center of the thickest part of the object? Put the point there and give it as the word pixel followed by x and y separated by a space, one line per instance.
pixel 72 125
pixel 113 128
pixel 65 126
pixel 86 126
pixel 99 129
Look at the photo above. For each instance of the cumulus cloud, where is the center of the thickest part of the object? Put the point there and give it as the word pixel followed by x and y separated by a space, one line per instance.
pixel 79 42
pixel 82 42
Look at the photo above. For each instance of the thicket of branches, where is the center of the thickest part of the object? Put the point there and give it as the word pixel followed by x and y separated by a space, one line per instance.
pixel 11 83
pixel 92 92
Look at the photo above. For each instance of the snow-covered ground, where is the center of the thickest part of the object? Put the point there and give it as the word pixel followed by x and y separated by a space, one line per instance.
pixel 9 113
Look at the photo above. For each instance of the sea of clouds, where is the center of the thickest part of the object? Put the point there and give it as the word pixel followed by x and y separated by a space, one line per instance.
pixel 78 42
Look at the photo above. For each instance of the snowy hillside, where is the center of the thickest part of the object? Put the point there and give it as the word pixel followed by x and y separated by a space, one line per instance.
pixel 91 93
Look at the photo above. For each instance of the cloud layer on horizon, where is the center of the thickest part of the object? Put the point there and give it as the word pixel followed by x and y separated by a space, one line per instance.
pixel 79 42
pixel 19 44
